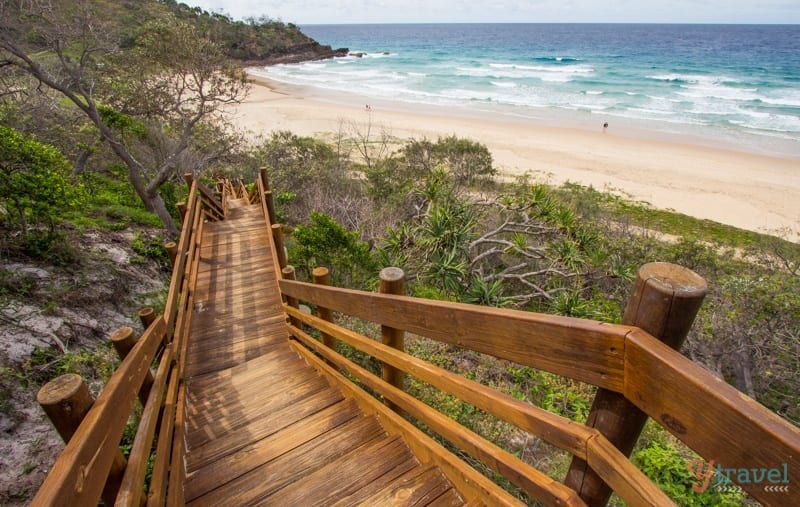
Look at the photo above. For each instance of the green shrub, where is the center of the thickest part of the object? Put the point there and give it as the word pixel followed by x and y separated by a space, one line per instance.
pixel 150 247
pixel 326 243
pixel 663 464
pixel 34 181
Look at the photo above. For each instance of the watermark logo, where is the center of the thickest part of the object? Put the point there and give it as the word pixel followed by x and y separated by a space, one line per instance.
pixel 710 475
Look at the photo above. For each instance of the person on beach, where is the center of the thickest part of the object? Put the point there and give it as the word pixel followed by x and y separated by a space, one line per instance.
pixel 605 126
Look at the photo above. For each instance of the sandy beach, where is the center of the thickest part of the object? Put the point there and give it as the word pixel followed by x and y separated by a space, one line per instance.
pixel 751 191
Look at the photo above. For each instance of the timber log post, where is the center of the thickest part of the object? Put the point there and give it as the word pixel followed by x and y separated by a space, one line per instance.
pixel 288 274
pixel 172 251
pixel 123 341
pixel 322 276
pixel 268 197
pixel 664 302
pixel 392 282
pixel 280 251
pixel 66 400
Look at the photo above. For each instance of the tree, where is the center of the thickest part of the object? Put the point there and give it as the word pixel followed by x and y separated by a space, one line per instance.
pixel 146 92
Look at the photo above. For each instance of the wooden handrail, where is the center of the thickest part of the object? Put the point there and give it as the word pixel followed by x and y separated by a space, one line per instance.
pixel 178 269
pixel 584 350
pixel 90 452
pixel 712 417
pixel 554 429
pixel 634 487
pixel 76 478
pixel 698 408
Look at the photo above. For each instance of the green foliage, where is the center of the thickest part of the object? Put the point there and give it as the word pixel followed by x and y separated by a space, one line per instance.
pixel 112 203
pixel 252 39
pixel 323 242
pixel 52 247
pixel 34 181
pixel 46 364
pixel 123 123
pixel 150 247
pixel 485 293
pixel 297 161
pixel 662 463
pixel 467 161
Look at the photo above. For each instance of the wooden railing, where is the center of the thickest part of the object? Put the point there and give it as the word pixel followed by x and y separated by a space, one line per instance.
pixel 91 466
pixel 700 409
pixel 639 375
pixel 637 371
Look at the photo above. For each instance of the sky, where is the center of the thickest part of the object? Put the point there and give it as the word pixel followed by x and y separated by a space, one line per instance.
pixel 498 11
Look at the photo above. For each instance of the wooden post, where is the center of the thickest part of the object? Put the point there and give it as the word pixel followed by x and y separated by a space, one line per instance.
pixel 172 251
pixel 66 400
pixel 263 173
pixel 123 341
pixel 147 316
pixel 664 302
pixel 288 274
pixel 277 237
pixel 392 283
pixel 322 276
pixel 182 210
pixel 268 197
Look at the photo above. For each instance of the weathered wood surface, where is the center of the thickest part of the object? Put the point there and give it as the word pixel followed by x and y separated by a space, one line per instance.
pixel 664 302
pixel 261 425
pixel 584 350
pixel 78 476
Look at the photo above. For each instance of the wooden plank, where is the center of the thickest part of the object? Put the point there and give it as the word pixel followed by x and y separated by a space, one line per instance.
pixel 202 363
pixel 469 482
pixel 585 350
pixel 295 465
pixel 178 465
pixel 554 429
pixel 261 451
pixel 91 450
pixel 211 316
pixel 418 486
pixel 709 415
pixel 255 389
pixel 255 289
pixel 450 498
pixel 240 329
pixel 217 417
pixel 529 479
pixel 209 311
pixel 261 428
pixel 248 333
pixel 271 384
pixel 347 474
pixel 244 264
pixel 131 489
pixel 244 372
pixel 248 236
pixel 160 473
pixel 234 249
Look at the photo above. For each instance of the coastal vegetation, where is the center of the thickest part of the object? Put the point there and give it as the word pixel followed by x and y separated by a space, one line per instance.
pixel 98 127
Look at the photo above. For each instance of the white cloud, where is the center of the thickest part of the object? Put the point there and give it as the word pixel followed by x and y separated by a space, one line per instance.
pixel 421 11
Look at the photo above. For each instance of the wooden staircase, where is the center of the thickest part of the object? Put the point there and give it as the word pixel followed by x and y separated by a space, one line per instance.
pixel 263 427
pixel 247 400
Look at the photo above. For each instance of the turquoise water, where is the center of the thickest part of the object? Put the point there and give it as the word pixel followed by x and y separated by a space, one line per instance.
pixel 737 84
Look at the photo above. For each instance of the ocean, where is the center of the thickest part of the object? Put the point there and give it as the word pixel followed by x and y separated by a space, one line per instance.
pixel 731 85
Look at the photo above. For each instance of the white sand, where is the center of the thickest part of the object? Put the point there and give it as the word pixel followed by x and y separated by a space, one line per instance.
pixel 755 192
